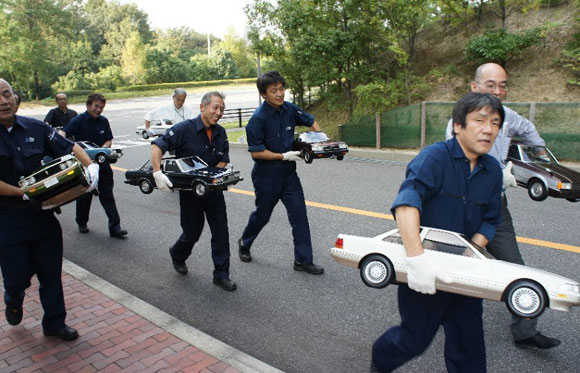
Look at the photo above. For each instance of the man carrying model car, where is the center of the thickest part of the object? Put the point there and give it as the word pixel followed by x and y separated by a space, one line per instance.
pixel 204 138
pixel 452 185
pixel 31 238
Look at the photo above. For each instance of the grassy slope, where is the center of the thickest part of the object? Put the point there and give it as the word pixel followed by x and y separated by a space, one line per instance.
pixel 533 76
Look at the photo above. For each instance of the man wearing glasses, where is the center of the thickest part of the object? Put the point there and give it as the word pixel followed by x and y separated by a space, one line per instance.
pixel 492 78
pixel 59 116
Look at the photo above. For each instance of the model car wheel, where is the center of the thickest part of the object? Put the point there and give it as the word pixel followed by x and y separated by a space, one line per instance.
pixel 376 271
pixel 145 186
pixel 537 190
pixel 145 135
pixel 526 299
pixel 101 158
pixel 200 189
pixel 307 156
pixel 340 157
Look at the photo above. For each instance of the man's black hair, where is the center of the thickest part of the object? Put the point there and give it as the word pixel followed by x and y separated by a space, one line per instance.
pixel 96 97
pixel 267 79
pixel 475 101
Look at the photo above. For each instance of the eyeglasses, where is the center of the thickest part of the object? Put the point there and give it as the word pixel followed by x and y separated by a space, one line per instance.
pixel 492 86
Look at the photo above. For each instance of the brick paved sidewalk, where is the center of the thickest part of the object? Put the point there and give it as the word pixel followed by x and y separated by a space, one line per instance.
pixel 113 338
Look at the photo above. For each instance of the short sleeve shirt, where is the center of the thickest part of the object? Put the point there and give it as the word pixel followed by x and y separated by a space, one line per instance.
pixel 23 148
pixel 86 128
pixel 170 112
pixel 440 184
pixel 189 138
pixel 273 129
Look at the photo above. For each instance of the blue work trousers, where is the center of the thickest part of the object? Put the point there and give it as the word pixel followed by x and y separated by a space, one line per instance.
pixel 106 198
pixel 273 184
pixel 421 316
pixel 31 243
pixel 194 211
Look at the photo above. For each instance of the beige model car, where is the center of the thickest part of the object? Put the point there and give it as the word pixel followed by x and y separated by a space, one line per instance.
pixel 56 183
pixel 474 272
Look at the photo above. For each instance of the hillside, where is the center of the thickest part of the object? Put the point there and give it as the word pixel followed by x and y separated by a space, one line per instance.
pixel 533 77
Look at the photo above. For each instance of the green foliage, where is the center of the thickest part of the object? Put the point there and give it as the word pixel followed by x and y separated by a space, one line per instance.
pixel 378 96
pixel 161 86
pixel 164 66
pixel 500 46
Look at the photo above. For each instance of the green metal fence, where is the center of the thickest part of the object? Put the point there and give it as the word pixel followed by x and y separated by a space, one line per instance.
pixel 557 123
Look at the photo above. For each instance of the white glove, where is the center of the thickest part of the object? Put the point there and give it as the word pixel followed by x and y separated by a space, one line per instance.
pixel 509 180
pixel 162 181
pixel 93 170
pixel 25 197
pixel 422 274
pixel 292 156
pixel 150 132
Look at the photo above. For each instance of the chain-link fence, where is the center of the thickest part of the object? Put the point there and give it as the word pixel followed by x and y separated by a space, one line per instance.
pixel 557 123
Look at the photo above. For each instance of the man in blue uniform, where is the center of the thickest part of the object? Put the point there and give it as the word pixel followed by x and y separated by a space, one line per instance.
pixel 204 138
pixel 270 133
pixel 31 238
pixel 92 126
pixel 492 78
pixel 452 185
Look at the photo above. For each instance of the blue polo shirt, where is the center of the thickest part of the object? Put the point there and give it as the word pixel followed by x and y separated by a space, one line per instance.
pixel 22 149
pixel 448 194
pixel 86 128
pixel 189 138
pixel 273 129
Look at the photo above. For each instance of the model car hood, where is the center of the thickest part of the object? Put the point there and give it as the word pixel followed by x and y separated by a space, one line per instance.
pixel 564 173
pixel 534 273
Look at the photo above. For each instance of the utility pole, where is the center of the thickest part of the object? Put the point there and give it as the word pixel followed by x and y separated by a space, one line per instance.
pixel 259 74
pixel 208 46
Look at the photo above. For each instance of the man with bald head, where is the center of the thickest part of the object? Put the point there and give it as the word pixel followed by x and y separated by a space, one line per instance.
pixel 31 238
pixel 59 116
pixel 492 78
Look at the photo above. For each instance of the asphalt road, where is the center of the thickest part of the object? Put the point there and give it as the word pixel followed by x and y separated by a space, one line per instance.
pixel 295 321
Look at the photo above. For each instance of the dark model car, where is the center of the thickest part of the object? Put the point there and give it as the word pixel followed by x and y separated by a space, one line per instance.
pixel 536 169
pixel 189 173
pixel 56 183
pixel 100 155
pixel 315 144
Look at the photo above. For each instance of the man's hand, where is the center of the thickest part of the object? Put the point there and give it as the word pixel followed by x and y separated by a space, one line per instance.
pixel 93 170
pixel 292 156
pixel 508 179
pixel 422 274
pixel 162 181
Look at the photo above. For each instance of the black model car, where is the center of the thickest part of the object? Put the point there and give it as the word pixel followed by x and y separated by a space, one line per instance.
pixel 536 169
pixel 189 173
pixel 315 144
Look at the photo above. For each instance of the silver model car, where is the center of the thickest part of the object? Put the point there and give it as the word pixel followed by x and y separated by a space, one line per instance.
pixel 536 169
pixel 526 291
pixel 157 127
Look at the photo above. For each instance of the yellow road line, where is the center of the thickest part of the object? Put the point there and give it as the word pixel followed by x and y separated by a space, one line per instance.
pixel 378 215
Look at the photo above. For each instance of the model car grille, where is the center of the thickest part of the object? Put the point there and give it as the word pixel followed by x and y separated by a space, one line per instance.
pixel 228 178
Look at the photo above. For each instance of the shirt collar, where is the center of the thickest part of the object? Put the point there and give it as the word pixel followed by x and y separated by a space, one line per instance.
pixel 271 110
pixel 198 124
pixel 457 153
pixel 20 122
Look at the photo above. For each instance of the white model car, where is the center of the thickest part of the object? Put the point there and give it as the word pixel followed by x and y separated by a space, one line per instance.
pixel 474 272
pixel 157 128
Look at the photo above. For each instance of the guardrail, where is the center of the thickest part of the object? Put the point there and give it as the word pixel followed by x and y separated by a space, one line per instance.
pixel 240 113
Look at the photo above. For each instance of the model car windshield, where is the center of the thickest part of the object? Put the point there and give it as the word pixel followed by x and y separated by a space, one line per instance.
pixel 191 163
pixel 313 137
pixel 535 153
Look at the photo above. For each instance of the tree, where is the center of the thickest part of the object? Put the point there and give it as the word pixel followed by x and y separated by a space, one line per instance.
pixel 240 53
pixel 133 59
pixel 32 35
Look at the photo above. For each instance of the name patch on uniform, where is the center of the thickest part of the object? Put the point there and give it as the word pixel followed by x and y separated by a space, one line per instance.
pixel 29 139
pixel 101 132
pixel 170 133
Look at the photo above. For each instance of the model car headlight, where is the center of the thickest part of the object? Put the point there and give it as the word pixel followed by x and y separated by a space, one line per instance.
pixel 69 163
pixel 218 180
pixel 62 166
pixel 569 288
pixel 317 147
pixel 562 185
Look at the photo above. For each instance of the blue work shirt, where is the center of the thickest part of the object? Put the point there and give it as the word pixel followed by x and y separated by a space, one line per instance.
pixel 273 129
pixel 188 138
pixel 22 149
pixel 448 194
pixel 86 128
